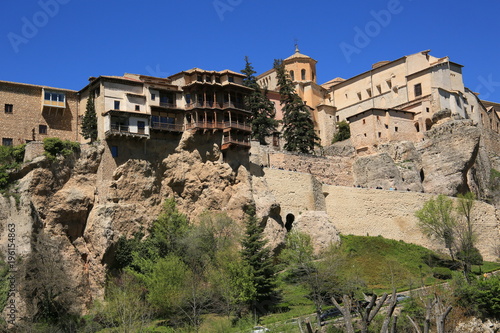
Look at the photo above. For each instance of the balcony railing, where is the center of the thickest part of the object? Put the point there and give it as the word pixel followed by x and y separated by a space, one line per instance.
pixel 234 105
pixel 156 125
pixel 204 125
pixel 216 105
pixel 116 129
pixel 235 125
pixel 228 141
pixel 168 105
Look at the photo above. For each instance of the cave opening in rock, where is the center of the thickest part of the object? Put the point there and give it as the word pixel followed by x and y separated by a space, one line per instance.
pixel 422 176
pixel 289 221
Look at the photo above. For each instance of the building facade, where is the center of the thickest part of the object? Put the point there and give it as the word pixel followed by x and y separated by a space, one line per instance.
pixel 32 112
pixel 393 101
pixel 144 107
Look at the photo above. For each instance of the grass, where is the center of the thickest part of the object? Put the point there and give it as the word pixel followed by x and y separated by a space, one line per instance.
pixel 386 263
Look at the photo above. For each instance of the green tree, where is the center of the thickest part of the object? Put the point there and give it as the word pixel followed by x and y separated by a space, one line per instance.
pixel 125 306
pixel 258 257
pixel 262 109
pixel 437 221
pixel 89 121
pixel 467 253
pixel 298 126
pixel 343 132
pixel 299 255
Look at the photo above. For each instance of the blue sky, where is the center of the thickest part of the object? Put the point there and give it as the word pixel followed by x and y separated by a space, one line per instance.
pixel 61 43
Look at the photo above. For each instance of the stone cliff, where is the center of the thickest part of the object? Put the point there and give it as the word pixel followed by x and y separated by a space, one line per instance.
pixel 86 202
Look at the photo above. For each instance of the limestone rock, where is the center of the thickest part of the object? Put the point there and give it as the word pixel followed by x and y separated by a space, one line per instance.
pixel 318 225
pixel 448 152
pixel 377 171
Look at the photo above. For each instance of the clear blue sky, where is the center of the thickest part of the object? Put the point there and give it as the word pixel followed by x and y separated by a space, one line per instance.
pixel 62 45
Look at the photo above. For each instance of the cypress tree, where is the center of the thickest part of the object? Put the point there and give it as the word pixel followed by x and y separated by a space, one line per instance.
pixel 298 127
pixel 257 256
pixel 263 122
pixel 89 121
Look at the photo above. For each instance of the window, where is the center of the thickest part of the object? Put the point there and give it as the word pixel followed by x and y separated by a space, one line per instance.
pixel 7 142
pixel 117 105
pixel 153 97
pixel 199 78
pixel 303 74
pixel 389 83
pixel 114 151
pixel 427 110
pixel 230 78
pixel 418 89
pixel 292 75
pixel 364 121
pixel 97 92
pixel 472 108
pixel 137 108
pixel 395 129
pixel 359 96
pixel 54 99
pixel 379 134
pixel 379 89
pixel 337 118
pixel 141 126
pixel 42 129
pixel 188 98
pixel 369 92
pixel 8 108
pixel 386 126
pixel 217 79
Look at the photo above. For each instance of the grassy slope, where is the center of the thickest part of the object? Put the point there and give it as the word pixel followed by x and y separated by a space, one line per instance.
pixel 381 263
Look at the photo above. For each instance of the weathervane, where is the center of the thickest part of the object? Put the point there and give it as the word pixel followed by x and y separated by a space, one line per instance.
pixel 296 45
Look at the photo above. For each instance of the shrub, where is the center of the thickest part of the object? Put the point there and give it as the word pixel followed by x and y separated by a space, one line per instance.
pixel 343 132
pixel 10 157
pixel 55 146
pixel 442 273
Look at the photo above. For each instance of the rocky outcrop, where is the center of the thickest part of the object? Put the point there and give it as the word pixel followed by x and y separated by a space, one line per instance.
pixel 449 161
pixel 448 152
pixel 318 225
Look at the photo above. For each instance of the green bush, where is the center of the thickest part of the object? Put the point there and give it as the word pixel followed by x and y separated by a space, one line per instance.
pixel 10 158
pixel 481 297
pixel 343 132
pixel 54 147
pixel 442 273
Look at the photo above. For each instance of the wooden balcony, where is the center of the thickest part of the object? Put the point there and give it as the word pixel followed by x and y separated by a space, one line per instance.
pixel 228 142
pixel 124 130
pixel 205 125
pixel 167 127
pixel 216 105
pixel 236 125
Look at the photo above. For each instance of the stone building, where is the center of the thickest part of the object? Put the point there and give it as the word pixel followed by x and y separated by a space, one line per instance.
pixel 302 70
pixel 141 107
pixel 33 112
pixel 394 100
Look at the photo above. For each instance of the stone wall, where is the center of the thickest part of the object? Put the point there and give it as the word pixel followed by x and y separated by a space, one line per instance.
pixel 23 124
pixel 335 170
pixel 371 212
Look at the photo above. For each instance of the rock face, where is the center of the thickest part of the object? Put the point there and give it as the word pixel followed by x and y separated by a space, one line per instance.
pixel 448 153
pixel 318 225
pixel 449 161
